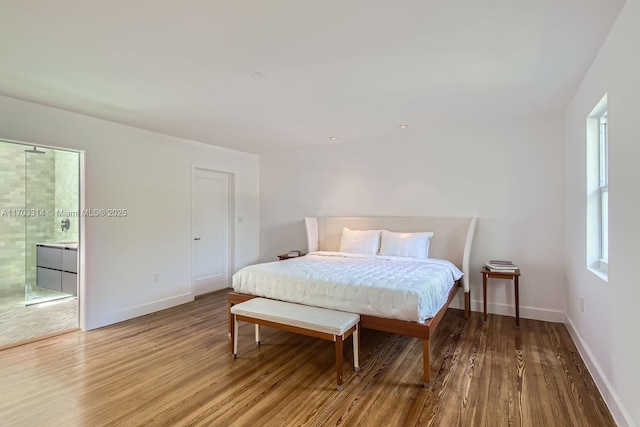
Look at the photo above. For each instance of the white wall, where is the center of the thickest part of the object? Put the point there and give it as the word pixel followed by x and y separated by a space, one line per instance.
pixel 509 174
pixel 607 332
pixel 149 175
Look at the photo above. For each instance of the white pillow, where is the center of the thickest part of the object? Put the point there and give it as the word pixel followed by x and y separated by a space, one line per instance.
pixel 360 241
pixel 415 245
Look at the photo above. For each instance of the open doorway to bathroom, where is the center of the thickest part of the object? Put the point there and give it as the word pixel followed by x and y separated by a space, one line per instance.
pixel 39 229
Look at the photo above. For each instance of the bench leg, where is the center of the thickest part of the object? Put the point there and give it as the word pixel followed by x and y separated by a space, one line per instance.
pixel 356 349
pixel 234 337
pixel 425 362
pixel 339 357
pixel 467 305
pixel 257 334
pixel 231 331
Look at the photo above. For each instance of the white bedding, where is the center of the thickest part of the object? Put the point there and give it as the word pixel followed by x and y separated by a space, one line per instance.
pixel 383 286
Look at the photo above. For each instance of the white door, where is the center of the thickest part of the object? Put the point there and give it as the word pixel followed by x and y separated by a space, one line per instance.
pixel 210 230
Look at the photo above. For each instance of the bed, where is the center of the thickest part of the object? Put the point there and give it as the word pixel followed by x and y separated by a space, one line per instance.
pixel 387 290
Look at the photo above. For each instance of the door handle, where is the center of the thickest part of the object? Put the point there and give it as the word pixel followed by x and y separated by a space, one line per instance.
pixel 197 238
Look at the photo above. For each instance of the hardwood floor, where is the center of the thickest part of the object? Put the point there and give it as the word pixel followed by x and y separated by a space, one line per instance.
pixel 175 368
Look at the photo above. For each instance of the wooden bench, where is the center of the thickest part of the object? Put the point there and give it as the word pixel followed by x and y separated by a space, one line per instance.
pixel 317 322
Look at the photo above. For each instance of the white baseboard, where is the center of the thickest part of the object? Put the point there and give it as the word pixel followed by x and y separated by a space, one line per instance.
pixel 137 311
pixel 526 312
pixel 619 413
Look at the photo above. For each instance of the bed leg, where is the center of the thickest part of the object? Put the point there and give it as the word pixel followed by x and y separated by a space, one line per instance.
pixel 467 305
pixel 425 362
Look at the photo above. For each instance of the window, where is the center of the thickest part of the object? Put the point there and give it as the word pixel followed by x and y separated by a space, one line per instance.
pixel 603 189
pixel 598 189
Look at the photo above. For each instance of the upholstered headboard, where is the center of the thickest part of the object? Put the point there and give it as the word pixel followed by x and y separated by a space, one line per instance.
pixel 451 240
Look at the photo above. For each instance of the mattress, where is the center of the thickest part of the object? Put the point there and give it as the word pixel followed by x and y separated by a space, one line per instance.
pixel 390 287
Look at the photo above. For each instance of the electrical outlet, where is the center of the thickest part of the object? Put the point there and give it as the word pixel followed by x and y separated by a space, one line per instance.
pixel 240 220
pixel 156 278
pixel 581 304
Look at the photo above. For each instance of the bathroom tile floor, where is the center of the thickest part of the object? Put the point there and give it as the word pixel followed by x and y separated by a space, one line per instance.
pixel 19 322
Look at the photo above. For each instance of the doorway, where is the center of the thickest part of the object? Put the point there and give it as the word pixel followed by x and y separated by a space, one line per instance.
pixel 210 229
pixel 39 226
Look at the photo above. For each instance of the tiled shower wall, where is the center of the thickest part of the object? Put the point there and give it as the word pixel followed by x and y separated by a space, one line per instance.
pixel 12 196
pixel 51 186
pixel 66 187
pixel 40 195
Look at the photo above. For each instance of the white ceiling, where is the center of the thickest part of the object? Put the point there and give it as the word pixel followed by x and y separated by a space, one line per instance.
pixel 345 68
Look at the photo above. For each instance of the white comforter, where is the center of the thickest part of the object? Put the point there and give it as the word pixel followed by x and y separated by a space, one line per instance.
pixel 390 287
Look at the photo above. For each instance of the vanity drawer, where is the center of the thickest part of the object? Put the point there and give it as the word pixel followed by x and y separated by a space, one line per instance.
pixel 69 260
pixel 50 279
pixel 49 257
pixel 69 283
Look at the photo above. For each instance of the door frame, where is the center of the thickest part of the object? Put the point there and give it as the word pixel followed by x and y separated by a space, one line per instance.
pixel 81 297
pixel 231 220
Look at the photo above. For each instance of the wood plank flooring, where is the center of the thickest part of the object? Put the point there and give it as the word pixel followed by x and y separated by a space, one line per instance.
pixel 175 368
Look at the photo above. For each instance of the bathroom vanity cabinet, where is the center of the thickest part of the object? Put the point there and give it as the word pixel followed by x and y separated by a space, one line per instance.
pixel 58 267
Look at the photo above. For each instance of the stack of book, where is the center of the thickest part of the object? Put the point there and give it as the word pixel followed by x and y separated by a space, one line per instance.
pixel 501 266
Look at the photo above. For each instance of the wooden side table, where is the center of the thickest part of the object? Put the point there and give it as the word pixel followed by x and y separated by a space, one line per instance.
pixel 287 256
pixel 486 273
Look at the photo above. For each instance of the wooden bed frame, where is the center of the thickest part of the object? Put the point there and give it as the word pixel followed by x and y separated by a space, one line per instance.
pixel 456 237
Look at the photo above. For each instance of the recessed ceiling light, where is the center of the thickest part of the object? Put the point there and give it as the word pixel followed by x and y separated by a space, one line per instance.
pixel 404 126
pixel 333 138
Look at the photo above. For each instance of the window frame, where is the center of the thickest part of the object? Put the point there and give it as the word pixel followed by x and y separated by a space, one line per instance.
pixel 603 190
pixel 597 186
